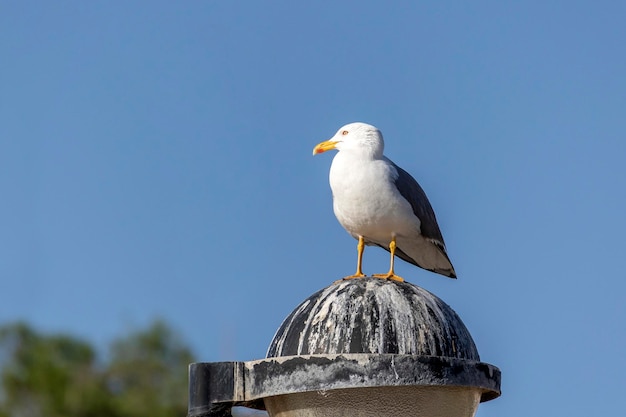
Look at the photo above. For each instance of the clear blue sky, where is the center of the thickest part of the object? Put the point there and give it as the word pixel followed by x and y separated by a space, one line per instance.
pixel 155 161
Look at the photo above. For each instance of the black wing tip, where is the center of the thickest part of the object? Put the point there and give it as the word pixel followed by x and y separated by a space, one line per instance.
pixel 445 272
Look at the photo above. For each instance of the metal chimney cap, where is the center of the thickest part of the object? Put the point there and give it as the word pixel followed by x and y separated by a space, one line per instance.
pixel 362 339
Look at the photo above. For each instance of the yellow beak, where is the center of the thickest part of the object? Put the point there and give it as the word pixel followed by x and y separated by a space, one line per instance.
pixel 325 146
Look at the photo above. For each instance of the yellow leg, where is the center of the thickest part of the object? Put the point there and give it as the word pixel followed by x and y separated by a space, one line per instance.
pixel 360 247
pixel 391 275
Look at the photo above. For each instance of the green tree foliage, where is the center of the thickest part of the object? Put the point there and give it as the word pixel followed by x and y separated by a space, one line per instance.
pixel 59 376
pixel 148 373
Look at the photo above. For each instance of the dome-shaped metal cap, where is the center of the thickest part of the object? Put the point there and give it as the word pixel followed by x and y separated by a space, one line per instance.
pixel 371 315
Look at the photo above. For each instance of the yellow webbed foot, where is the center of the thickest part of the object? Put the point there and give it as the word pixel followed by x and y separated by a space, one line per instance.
pixel 355 276
pixel 390 276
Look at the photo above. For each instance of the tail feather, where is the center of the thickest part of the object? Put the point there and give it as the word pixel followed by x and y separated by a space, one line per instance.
pixel 430 255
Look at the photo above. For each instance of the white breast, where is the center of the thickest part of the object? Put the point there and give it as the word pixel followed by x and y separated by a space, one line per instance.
pixel 366 200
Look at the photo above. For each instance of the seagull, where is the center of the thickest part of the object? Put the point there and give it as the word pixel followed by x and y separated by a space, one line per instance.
pixel 379 203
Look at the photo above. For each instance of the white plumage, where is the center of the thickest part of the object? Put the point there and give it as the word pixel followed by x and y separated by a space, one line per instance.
pixel 379 203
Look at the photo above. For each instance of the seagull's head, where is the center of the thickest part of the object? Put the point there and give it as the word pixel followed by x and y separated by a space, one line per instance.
pixel 357 138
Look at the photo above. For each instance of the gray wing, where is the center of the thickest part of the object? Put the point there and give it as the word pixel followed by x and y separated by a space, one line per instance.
pixel 413 193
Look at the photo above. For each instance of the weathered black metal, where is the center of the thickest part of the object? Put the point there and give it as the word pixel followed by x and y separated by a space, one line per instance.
pixel 357 333
pixel 372 315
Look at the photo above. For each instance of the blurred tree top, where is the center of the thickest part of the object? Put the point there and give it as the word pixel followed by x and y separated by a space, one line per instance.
pixel 60 376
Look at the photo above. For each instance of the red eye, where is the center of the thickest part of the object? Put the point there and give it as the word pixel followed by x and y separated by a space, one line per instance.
pixel 344 133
